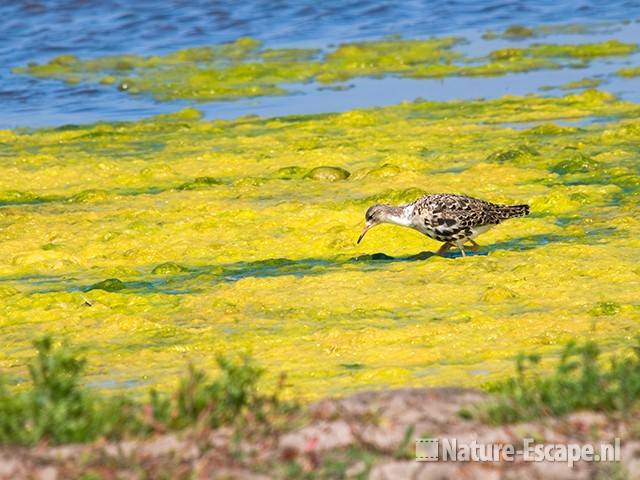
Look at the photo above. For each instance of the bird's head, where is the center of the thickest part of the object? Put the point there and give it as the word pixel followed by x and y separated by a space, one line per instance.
pixel 376 215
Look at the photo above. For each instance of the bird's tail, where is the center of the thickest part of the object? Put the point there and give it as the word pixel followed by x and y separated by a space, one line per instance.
pixel 510 211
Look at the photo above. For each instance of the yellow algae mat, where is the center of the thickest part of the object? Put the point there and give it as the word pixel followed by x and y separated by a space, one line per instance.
pixel 168 240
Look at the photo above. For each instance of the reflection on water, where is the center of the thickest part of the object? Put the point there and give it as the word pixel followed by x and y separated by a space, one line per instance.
pixel 37 31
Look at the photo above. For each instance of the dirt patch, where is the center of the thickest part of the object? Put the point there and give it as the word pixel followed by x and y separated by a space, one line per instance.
pixel 368 435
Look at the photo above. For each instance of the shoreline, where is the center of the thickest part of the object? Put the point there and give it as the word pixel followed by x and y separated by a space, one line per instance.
pixel 366 435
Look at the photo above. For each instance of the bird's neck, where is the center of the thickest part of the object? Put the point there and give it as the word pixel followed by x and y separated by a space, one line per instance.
pixel 400 215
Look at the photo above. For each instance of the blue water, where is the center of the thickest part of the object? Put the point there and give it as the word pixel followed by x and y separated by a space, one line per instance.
pixel 34 30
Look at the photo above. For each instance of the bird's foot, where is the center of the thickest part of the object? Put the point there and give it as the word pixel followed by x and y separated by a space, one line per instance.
pixel 444 249
pixel 474 246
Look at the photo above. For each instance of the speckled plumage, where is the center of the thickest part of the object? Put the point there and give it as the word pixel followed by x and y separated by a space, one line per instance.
pixel 449 218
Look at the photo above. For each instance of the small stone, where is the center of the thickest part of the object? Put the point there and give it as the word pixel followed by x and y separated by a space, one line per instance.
pixel 396 470
pixel 8 467
pixel 586 421
pixel 630 457
pixel 47 473
pixel 356 469
pixel 387 437
pixel 317 438
pixel 559 471
pixel 323 410
pixel 443 471
pixel 163 445
pixel 329 174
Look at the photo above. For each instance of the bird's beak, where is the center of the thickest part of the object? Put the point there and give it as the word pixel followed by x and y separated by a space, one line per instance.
pixel 364 230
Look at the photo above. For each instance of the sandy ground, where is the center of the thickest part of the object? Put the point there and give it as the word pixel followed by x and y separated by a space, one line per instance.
pixel 368 435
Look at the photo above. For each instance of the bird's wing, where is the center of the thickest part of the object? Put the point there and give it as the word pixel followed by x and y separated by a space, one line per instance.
pixel 459 217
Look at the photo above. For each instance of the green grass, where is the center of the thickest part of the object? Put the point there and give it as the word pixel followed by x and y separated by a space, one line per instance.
pixel 58 408
pixel 579 380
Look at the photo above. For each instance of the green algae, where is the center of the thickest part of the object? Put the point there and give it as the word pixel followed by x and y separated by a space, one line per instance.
pixel 108 285
pixel 576 85
pixel 588 50
pixel 385 170
pixel 498 294
pixel 256 257
pixel 391 196
pixel 629 72
pixel 584 83
pixel 93 195
pixel 521 154
pixel 386 56
pixel 549 56
pixel 523 32
pixel 550 129
pixel 606 309
pixel 200 182
pixel 289 172
pixel 245 68
pixel 168 268
pixel 518 31
pixel 576 162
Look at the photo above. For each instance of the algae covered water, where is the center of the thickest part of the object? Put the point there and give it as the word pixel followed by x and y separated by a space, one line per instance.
pixel 172 237
pixel 37 31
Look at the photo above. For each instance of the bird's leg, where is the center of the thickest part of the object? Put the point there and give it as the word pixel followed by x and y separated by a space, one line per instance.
pixel 459 245
pixel 444 248
pixel 475 246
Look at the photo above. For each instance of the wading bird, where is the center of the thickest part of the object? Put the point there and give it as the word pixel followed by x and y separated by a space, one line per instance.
pixel 449 218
